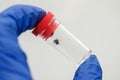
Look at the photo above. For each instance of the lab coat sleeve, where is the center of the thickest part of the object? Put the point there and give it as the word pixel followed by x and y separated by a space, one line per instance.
pixel 13 21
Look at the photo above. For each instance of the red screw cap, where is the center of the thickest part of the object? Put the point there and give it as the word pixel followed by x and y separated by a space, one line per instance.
pixel 46 27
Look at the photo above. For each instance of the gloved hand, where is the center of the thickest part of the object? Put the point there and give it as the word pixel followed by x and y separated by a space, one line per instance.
pixel 14 21
pixel 89 70
pixel 13 61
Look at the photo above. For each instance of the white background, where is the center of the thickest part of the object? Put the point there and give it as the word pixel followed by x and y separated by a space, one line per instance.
pixel 95 22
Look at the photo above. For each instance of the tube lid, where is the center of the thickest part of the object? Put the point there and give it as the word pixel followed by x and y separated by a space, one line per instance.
pixel 46 27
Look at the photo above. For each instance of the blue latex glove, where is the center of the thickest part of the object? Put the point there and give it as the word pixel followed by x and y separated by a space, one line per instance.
pixel 13 62
pixel 89 70
pixel 14 21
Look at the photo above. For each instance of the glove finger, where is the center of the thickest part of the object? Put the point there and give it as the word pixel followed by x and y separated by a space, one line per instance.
pixel 89 70
pixel 22 17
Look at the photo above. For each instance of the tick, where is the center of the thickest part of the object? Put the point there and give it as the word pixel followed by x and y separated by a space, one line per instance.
pixel 56 41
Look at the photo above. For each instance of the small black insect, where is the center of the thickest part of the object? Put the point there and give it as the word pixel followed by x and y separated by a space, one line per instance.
pixel 56 41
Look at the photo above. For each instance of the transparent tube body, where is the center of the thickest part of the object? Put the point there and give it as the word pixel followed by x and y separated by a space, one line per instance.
pixel 67 44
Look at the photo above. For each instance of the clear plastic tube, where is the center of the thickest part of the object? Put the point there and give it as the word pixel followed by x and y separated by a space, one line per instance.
pixel 65 42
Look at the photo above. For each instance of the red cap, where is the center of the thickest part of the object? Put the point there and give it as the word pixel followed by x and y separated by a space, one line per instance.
pixel 46 27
